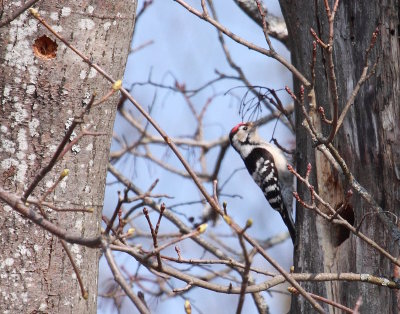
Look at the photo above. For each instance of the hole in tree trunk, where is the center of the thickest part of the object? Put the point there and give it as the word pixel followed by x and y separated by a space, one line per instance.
pixel 342 233
pixel 45 48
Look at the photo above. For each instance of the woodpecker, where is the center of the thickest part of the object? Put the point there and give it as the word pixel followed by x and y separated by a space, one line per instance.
pixel 268 167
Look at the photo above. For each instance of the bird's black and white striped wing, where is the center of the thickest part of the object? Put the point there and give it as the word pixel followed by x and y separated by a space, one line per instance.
pixel 261 167
pixel 260 164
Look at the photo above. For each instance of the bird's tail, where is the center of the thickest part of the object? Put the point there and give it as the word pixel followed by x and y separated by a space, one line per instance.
pixel 288 220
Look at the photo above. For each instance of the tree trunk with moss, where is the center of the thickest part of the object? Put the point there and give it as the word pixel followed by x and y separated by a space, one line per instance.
pixel 368 141
pixel 43 86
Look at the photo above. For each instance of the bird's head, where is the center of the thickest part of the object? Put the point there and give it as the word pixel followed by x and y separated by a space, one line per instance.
pixel 242 134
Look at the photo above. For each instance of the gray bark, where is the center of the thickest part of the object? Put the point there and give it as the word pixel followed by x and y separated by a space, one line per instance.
pixel 38 98
pixel 369 142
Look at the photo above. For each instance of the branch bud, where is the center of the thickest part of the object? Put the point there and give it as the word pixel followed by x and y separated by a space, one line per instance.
pixel 117 85
pixel 34 12
pixel 249 223
pixel 64 173
pixel 228 219
pixel 202 228
pixel 188 307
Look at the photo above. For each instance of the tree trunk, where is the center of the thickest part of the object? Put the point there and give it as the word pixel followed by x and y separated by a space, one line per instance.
pixel 369 142
pixel 40 95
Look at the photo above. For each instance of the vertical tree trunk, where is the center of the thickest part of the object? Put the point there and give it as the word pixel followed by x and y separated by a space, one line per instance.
pixel 369 142
pixel 39 98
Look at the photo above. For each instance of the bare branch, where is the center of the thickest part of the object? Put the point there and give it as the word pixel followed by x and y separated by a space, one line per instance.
pixel 246 43
pixel 17 204
pixel 276 26
pixel 122 282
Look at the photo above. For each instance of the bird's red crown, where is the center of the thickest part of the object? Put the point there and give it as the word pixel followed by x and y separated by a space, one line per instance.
pixel 236 128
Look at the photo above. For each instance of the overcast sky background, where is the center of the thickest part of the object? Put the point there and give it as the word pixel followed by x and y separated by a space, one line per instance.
pixel 186 48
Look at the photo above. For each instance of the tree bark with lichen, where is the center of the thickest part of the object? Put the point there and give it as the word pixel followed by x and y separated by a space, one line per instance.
pixel 43 86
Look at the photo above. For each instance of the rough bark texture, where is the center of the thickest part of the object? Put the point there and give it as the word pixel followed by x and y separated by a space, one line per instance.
pixel 369 142
pixel 39 98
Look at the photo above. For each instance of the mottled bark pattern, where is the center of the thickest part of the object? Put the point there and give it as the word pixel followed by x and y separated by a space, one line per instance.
pixel 369 142
pixel 38 100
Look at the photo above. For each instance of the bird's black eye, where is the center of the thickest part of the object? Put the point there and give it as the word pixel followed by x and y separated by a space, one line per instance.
pixel 245 128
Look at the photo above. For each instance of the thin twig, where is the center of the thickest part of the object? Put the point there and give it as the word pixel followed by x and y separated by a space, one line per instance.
pixel 18 12
pixel 55 208
pixel 313 62
pixel 363 78
pixel 324 119
pixel 349 194
pixel 276 26
pixel 122 282
pixel 332 75
pixel 154 236
pixel 357 306
pixel 84 292
pixel 325 300
pixel 246 43
pixel 264 24
pixel 142 46
pixel 58 152
pixel 17 204
pixel 63 243
pixel 158 249
pixel 230 61
pixel 375 213
pixel 317 39
pixel 121 200
pixel 245 275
